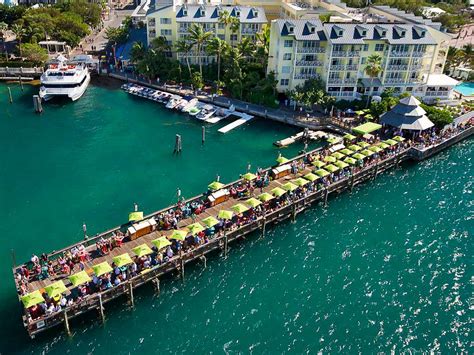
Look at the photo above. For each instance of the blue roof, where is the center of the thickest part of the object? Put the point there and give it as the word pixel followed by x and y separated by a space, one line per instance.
pixel 136 35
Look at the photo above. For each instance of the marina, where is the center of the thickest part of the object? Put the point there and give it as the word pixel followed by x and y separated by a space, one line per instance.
pixel 299 188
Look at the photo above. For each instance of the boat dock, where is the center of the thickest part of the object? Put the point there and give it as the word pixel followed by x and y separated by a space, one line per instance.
pixel 306 134
pixel 244 118
pixel 220 241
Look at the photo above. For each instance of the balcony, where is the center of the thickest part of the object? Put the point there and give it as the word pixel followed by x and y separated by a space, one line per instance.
pixel 343 94
pixel 306 76
pixel 335 81
pixel 397 67
pixel 248 31
pixel 183 29
pixel 418 54
pixel 308 63
pixel 416 66
pixel 394 81
pixel 151 34
pixel 151 23
pixel 441 94
pixel 337 67
pixel 346 53
pixel 399 54
pixel 311 49
pixel 352 67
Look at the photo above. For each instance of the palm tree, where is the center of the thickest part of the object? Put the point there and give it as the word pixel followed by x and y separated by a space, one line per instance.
pixel 263 45
pixel 137 52
pixel 161 44
pixel 198 37
pixel 226 20
pixel 184 47
pixel 19 32
pixel 3 35
pixel 246 47
pixel 373 69
pixel 217 47
pixel 234 26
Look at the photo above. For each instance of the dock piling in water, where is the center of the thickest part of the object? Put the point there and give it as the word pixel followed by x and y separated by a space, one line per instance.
pixel 130 294
pixel 178 144
pixel 101 308
pixel 10 98
pixel 66 324
pixel 21 82
pixel 156 283
pixel 37 104
pixel 203 134
pixel 326 193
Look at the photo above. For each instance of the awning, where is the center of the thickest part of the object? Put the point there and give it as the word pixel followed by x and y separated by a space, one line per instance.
pixel 331 168
pixel 289 186
pixel 322 173
pixel 161 242
pixel 80 278
pixel 341 164
pixel 278 192
pixel 311 177
pixel 265 197
pixel 216 185
pixel 337 155
pixel 300 181
pixel 249 176
pixel 32 299
pixel 367 127
pixel 318 163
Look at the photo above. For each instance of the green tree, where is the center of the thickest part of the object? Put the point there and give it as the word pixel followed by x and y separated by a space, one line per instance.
pixel 137 52
pixel 440 117
pixel 35 53
pixel 161 44
pixel 184 48
pixel 198 37
pixel 246 47
pixel 217 47
pixel 373 69
pixel 196 80
pixel 234 27
pixel 116 34
pixel 19 32
pixel 3 34
pixel 225 19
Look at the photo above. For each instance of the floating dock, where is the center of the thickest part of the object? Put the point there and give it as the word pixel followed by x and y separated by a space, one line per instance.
pixel 244 118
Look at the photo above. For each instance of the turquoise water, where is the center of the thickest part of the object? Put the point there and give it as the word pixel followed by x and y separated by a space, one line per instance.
pixel 384 268
pixel 467 89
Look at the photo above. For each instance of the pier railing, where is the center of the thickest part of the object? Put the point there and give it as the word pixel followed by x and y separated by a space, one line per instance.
pixel 178 262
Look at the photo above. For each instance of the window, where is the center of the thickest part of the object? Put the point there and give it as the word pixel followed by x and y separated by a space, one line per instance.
pixel 288 43
pixel 363 60
pixel 376 88
pixel 285 70
pixel 409 88
pixel 233 37
pixel 379 47
pixel 165 32
pixel 287 56
pixel 284 82
pixel 222 37
pixel 165 21
pixel 365 48
pixel 221 26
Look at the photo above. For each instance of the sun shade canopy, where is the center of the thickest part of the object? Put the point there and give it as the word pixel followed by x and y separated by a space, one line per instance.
pixel 210 221
pixel 311 177
pixel 32 299
pixel 282 160
pixel 253 202
pixel 224 214
pixel 318 163
pixel 289 186
pixel 122 260
pixel 80 278
pixel 195 228
pixel 161 242
pixel 102 268
pixel 239 208
pixel 216 185
pixel 135 216
pixel 55 289
pixel 249 176
pixel 367 127
pixel 300 181
pixel 178 234
pixel 278 191
pixel 322 173
pixel 142 250
pixel 265 197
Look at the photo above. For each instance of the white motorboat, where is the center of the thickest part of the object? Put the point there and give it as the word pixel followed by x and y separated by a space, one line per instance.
pixel 193 111
pixel 206 112
pixel 189 105
pixel 63 79
pixel 174 101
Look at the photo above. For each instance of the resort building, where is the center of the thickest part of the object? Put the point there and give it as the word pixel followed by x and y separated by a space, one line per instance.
pixel 413 57
pixel 172 21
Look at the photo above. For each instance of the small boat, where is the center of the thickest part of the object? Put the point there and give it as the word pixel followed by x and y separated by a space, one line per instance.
pixel 196 109
pixel 206 112
pixel 192 103
pixel 174 101
pixel 164 98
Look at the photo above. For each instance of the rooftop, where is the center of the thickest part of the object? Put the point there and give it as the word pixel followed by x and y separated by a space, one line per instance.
pixel 209 14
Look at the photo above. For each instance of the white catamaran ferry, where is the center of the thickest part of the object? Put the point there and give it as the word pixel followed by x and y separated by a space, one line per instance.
pixel 64 79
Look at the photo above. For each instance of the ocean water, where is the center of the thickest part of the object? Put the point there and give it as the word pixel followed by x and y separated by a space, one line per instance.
pixel 386 267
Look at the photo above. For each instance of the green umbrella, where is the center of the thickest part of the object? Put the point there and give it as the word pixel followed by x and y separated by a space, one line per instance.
pixel 161 242
pixel 210 221
pixel 330 159
pixel 367 152
pixel 311 177
pixel 333 140
pixel 55 289
pixel 375 149
pixel 253 202
pixel 32 299
pixel 122 260
pixel 363 144
pixel 318 163
pixel 391 142
pixel 358 156
pixel 331 168
pixel 369 117
pixel 239 208
pixel 289 186
pixel 337 155
pixel 300 181
pixel 354 147
pixel 265 197
pixel 398 139
pixel 249 176
pixel 79 278
pixel 102 268
pixel 346 151
pixel 282 160
pixel 135 216
pixel 383 145
pixel 350 160
pixel 360 112
pixel 224 214
pixel 178 235
pixel 278 192
pixel 349 137
pixel 195 228
pixel 142 250
pixel 216 185
pixel 322 173
pixel 341 164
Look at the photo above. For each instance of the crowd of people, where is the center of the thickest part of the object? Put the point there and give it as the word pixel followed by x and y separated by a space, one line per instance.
pixel 73 260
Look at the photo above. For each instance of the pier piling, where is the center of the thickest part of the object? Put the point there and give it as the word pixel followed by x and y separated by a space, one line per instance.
pixel 226 244
pixel 204 260
pixel 326 193
pixel 101 309
pixel 37 104
pixel 130 294
pixel 182 263
pixel 352 179
pixel 293 213
pixel 203 135
pixel 66 324
pixel 376 170
pixel 156 283
pixel 21 82
pixel 10 98
pixel 178 144
pixel 264 225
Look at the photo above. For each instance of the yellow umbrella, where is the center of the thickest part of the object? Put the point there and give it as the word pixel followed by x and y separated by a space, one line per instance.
pixel 210 221
pixel 178 235
pixel 102 268
pixel 311 177
pixel 32 299
pixel 135 216
pixel 329 159
pixel 55 289
pixel 239 208
pixel 79 278
pixel 161 243
pixel 282 160
pixel 300 182
pixel 249 176
pixel 142 250
pixel 195 228
pixel 322 173
pixel 253 202
pixel 224 214
pixel 265 197
pixel 122 259
pixel 278 192
pixel 289 186
pixel 318 163
pixel 216 185
pixel 337 155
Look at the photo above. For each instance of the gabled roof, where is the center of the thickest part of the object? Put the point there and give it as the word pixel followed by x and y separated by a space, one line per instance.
pixel 302 29
pixel 407 114
pixel 247 14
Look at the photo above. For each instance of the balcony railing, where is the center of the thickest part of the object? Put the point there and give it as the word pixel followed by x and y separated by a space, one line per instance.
pixel 343 93
pixel 418 54
pixel 308 63
pixel 399 54
pixel 352 67
pixel 337 67
pixel 416 66
pixel 437 93
pixel 335 81
pixel 311 49
pixel 306 76
pixel 248 31
pixel 152 34
pixel 397 67
pixel 151 23
pixel 394 81
pixel 346 53
pixel 183 29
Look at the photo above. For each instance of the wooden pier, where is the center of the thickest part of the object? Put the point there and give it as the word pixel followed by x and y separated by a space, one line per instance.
pixel 178 262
